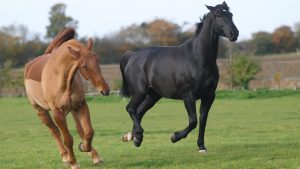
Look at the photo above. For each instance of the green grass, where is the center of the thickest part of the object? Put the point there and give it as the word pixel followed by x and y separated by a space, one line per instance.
pixel 261 131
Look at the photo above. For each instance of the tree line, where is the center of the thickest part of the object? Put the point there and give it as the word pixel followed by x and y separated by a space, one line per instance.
pixel 18 45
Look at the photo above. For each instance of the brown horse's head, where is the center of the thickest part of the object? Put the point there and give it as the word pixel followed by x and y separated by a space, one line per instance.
pixel 89 66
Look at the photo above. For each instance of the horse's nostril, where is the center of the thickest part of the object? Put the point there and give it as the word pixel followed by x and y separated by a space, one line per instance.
pixel 104 93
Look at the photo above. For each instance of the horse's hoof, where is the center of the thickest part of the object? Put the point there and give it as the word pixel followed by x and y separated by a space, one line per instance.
pixel 75 166
pixel 174 139
pixel 203 151
pixel 137 142
pixel 127 137
pixel 80 147
pixel 98 163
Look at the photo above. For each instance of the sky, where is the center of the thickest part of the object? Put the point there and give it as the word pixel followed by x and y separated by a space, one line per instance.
pixel 104 17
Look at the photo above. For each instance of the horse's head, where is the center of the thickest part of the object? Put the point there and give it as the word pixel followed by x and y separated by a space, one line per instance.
pixel 89 66
pixel 223 23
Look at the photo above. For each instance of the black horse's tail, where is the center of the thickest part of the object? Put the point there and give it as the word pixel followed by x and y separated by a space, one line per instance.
pixel 124 60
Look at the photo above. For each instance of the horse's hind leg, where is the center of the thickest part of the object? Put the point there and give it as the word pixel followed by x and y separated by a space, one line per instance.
pixel 47 120
pixel 190 105
pixel 93 153
pixel 137 130
pixel 147 103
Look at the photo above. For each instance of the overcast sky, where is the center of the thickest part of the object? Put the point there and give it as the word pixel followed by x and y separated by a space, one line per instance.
pixel 102 17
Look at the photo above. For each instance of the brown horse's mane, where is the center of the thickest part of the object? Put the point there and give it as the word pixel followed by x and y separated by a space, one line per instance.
pixel 34 71
pixel 63 36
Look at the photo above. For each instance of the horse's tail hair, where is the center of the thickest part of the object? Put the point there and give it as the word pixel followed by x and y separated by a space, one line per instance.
pixel 63 36
pixel 124 92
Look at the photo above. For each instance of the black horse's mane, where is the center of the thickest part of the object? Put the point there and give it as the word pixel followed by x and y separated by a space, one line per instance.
pixel 200 24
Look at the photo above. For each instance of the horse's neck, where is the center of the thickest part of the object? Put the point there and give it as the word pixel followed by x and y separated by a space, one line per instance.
pixel 205 45
pixel 65 68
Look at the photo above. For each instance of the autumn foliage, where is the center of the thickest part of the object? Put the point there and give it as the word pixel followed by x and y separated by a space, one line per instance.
pixel 18 45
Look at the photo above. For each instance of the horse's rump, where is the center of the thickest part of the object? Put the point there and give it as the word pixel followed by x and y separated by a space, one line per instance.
pixel 123 62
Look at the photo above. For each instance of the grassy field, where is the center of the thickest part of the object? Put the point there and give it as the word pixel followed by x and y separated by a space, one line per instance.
pixel 245 130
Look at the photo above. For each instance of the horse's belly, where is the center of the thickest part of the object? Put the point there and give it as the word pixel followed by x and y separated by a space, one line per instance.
pixel 35 93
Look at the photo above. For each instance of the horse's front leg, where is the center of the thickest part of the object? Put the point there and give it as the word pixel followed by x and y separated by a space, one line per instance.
pixel 93 153
pixel 204 109
pixel 190 105
pixel 83 115
pixel 60 119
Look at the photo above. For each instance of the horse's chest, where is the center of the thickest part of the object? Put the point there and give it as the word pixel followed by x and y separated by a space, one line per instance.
pixel 207 82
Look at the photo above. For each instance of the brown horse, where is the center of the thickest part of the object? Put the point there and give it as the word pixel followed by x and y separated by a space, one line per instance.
pixel 53 83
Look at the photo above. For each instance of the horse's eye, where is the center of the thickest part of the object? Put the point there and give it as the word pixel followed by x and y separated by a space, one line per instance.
pixel 84 67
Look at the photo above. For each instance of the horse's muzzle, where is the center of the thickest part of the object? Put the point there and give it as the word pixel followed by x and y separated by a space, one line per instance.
pixel 105 93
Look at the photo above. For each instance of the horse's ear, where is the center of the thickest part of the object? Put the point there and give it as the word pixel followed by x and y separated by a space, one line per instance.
pixel 75 52
pixel 90 44
pixel 211 8
pixel 224 3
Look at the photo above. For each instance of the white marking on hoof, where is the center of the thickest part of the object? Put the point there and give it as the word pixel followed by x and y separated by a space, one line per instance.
pixel 75 166
pixel 127 137
pixel 203 151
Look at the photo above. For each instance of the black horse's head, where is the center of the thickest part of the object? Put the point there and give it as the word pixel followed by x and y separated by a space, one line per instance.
pixel 223 23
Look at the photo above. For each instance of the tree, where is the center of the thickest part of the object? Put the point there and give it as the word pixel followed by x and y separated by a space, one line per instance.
pixel 58 20
pixel 297 32
pixel 262 42
pixel 284 39
pixel 243 69
pixel 17 46
pixel 134 34
pixel 162 32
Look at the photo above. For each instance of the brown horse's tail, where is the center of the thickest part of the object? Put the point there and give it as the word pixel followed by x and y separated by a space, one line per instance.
pixel 123 62
pixel 61 37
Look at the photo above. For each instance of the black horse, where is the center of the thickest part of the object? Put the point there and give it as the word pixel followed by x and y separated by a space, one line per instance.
pixel 187 72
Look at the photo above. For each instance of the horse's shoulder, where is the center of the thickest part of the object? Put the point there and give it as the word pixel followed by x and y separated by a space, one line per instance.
pixel 34 68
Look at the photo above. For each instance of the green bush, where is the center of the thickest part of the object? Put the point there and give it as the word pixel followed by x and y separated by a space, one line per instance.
pixel 243 69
